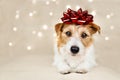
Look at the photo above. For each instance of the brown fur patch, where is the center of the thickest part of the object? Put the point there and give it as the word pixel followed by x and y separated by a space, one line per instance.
pixel 61 37
pixel 58 28
pixel 93 28
pixel 87 41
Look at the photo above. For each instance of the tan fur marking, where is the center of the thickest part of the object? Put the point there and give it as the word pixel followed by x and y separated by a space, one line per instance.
pixel 62 38
pixel 58 27
pixel 93 28
pixel 87 41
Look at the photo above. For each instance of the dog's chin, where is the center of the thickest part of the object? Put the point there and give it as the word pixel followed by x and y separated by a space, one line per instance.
pixel 73 54
pixel 78 54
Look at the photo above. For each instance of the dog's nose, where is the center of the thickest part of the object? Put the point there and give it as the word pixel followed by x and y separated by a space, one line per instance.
pixel 74 49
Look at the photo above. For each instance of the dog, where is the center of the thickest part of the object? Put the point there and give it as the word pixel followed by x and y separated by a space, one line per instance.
pixel 74 49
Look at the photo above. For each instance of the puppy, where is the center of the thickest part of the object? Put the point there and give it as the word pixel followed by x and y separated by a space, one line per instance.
pixel 74 50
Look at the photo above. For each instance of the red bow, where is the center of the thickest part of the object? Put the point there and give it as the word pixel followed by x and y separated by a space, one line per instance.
pixel 77 17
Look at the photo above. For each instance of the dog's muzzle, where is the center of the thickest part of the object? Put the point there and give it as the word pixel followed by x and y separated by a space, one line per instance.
pixel 74 49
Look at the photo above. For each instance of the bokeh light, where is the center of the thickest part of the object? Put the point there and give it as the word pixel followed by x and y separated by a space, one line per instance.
pixel 40 34
pixel 51 13
pixel 77 7
pixel 17 16
pixel 90 0
pixel 29 48
pixel 30 14
pixel 34 1
pixel 108 16
pixel 112 27
pixel 45 26
pixel 15 29
pixel 106 38
pixel 33 32
pixel 10 44
pixel 93 12
pixel 53 0
pixel 47 2
pixel 68 6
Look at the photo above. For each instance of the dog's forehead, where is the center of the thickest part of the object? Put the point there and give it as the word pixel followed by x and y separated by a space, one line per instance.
pixel 75 27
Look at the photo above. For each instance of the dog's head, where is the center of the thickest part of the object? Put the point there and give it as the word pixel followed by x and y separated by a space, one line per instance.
pixel 74 39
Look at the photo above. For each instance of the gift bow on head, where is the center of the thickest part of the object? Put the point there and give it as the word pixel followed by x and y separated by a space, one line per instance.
pixel 77 17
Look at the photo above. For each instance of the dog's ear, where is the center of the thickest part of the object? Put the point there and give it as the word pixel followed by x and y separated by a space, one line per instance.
pixel 94 28
pixel 58 27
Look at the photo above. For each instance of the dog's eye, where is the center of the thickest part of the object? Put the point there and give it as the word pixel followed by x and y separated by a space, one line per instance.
pixel 68 33
pixel 84 35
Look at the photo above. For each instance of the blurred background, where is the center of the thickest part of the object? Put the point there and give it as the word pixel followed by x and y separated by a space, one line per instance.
pixel 27 37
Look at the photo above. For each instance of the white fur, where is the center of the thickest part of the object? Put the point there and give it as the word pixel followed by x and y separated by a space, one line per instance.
pixel 81 62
